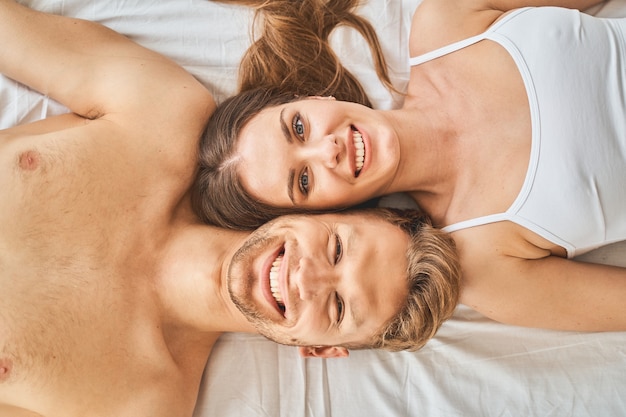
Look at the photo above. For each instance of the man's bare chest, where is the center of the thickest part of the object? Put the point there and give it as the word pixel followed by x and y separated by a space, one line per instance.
pixel 80 329
pixel 80 344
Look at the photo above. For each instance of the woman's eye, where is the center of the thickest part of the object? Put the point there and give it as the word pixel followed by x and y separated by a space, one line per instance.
pixel 304 182
pixel 298 126
pixel 338 249
pixel 339 308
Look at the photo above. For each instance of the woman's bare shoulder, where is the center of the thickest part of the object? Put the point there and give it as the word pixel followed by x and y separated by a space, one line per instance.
pixel 437 23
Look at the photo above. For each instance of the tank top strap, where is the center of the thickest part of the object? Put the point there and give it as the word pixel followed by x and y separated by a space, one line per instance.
pixel 453 47
pixel 478 221
pixel 445 50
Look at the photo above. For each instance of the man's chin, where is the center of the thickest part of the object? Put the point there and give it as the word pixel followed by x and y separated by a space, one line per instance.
pixel 277 337
pixel 263 325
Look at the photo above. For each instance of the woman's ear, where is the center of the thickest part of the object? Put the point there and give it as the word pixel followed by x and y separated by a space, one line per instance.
pixel 323 352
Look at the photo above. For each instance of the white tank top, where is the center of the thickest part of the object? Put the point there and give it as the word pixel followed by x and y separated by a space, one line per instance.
pixel 574 70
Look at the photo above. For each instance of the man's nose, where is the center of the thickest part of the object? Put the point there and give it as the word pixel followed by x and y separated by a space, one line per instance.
pixel 314 278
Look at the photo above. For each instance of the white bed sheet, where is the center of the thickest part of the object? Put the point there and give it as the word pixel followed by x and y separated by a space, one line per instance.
pixel 473 367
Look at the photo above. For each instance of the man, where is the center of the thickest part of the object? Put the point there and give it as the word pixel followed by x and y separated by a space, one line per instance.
pixel 113 294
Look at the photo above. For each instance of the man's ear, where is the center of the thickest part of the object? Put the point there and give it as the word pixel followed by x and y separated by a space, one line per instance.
pixel 323 352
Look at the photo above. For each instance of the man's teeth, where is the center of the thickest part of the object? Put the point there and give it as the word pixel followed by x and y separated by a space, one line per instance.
pixel 274 281
pixel 360 150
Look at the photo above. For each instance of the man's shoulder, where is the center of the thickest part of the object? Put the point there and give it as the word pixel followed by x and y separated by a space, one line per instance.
pixel 12 411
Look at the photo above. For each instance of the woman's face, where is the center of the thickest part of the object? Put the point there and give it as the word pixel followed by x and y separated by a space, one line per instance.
pixel 317 153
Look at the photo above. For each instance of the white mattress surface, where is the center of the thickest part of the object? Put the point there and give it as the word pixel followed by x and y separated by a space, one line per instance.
pixel 473 367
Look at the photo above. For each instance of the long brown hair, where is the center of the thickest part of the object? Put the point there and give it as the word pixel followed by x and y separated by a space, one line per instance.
pixel 293 53
pixel 291 59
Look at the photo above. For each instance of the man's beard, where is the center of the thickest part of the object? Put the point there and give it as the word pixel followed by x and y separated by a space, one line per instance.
pixel 240 284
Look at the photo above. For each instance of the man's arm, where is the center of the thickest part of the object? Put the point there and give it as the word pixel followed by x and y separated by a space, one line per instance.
pixel 96 72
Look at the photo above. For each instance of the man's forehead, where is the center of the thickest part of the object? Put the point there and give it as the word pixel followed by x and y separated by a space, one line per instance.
pixel 345 218
pixel 358 221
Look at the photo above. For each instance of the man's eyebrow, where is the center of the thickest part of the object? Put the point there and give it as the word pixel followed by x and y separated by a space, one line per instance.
pixel 357 318
pixel 352 236
pixel 292 173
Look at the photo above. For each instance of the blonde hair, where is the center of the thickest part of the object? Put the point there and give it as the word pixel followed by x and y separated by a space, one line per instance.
pixel 433 279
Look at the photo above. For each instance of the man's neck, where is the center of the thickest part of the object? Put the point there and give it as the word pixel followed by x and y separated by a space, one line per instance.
pixel 192 283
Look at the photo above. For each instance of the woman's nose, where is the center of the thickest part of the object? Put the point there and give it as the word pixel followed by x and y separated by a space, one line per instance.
pixel 326 151
pixel 314 278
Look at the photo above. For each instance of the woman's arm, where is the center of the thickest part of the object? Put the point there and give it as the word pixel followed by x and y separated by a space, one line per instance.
pixel 506 5
pixel 549 292
pixel 440 22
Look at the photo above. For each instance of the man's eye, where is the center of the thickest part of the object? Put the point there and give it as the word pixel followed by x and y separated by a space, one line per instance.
pixel 304 182
pixel 340 308
pixel 338 249
pixel 298 126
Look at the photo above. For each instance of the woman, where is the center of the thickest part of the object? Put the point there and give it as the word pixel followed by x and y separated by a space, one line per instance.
pixel 512 137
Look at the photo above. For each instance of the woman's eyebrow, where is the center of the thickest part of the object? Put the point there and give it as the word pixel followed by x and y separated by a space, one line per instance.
pixel 284 126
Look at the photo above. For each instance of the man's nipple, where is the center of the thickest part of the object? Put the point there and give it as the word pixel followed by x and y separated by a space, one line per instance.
pixel 29 160
pixel 5 369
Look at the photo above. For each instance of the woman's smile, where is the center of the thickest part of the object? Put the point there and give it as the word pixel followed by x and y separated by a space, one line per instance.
pixel 359 151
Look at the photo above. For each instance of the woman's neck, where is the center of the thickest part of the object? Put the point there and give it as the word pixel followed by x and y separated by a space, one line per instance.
pixel 429 158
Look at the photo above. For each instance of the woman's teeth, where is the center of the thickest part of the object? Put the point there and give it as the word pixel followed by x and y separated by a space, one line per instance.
pixel 360 151
pixel 274 287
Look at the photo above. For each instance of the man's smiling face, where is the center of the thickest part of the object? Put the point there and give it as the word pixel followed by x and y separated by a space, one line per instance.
pixel 328 280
